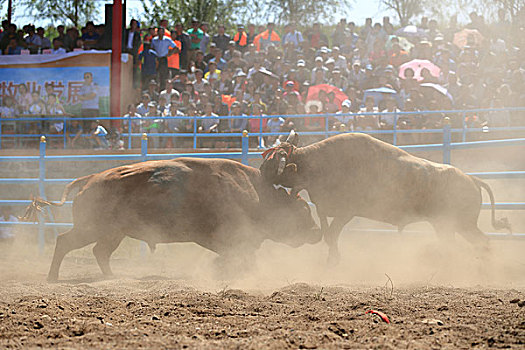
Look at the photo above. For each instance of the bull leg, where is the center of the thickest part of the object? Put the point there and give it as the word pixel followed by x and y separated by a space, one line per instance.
pixel 103 250
pixel 66 242
pixel 331 237
pixel 477 238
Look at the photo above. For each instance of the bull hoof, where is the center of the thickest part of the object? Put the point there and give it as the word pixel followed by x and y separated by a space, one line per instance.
pixel 333 259
pixel 52 278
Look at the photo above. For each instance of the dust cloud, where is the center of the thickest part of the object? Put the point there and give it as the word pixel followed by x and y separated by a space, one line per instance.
pixel 416 256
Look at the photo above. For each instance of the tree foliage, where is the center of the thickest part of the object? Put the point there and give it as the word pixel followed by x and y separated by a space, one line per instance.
pixel 306 12
pixel 211 11
pixel 68 12
pixel 514 8
pixel 405 9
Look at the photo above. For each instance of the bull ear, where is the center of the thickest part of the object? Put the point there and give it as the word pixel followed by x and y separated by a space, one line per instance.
pixel 293 138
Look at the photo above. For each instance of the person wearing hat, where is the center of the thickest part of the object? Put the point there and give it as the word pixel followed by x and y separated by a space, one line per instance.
pixel 338 80
pixel 241 38
pixel 319 67
pixel 343 119
pixel 356 75
pixel 228 55
pixel 370 80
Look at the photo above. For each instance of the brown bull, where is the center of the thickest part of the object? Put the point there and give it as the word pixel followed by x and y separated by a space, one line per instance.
pixel 219 204
pixel 357 175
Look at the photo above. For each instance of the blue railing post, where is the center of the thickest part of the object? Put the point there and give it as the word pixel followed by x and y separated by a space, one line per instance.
pixel 194 132
pixel 446 140
pixel 245 147
pixel 326 127
pixel 464 131
pixel 64 129
pixel 41 193
pixel 129 131
pixel 260 131
pixel 144 146
pixel 395 129
pixel 144 154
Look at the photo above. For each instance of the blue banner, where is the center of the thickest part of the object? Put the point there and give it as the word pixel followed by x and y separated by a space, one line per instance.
pixel 65 81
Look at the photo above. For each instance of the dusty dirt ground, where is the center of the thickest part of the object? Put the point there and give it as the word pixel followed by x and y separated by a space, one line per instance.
pixel 437 299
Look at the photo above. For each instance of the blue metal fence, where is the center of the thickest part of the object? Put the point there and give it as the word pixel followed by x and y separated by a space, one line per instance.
pixel 245 155
pixel 328 130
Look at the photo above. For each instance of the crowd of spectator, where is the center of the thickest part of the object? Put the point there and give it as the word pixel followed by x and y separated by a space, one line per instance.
pixel 277 72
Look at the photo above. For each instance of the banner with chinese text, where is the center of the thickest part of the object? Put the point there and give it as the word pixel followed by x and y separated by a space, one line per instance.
pixel 65 82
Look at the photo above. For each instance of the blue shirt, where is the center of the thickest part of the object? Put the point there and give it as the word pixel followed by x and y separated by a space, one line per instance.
pixel 149 64
pixel 162 46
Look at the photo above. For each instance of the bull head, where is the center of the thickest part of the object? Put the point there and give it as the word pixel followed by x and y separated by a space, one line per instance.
pixel 276 160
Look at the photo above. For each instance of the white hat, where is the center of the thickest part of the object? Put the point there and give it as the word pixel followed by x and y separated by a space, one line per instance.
pixel 346 103
pixel 317 103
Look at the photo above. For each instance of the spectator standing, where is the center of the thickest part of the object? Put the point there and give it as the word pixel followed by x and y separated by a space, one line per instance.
pixel 163 47
pixel 252 33
pixel 196 35
pixel 185 45
pixel 293 36
pixel 316 37
pixel 241 38
pixel 148 59
pixel 132 42
pixel 221 39
pixel 263 40
pixel 205 41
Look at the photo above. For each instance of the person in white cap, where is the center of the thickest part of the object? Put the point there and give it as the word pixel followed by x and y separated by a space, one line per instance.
pixel 319 67
pixel 342 119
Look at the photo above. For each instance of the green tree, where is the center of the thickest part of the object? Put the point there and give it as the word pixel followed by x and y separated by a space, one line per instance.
pixel 69 12
pixel 211 11
pixel 305 12
pixel 405 9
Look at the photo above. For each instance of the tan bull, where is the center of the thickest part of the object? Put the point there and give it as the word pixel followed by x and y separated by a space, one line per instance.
pixel 357 175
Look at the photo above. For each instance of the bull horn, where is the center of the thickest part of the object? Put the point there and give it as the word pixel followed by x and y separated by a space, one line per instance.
pixel 282 164
pixel 291 136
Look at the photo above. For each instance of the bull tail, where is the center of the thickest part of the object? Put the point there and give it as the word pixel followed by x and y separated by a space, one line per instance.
pixel 38 204
pixel 502 223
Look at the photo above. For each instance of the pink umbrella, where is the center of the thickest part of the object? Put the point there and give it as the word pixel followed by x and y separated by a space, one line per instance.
pixel 417 66
pixel 313 93
pixel 466 37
